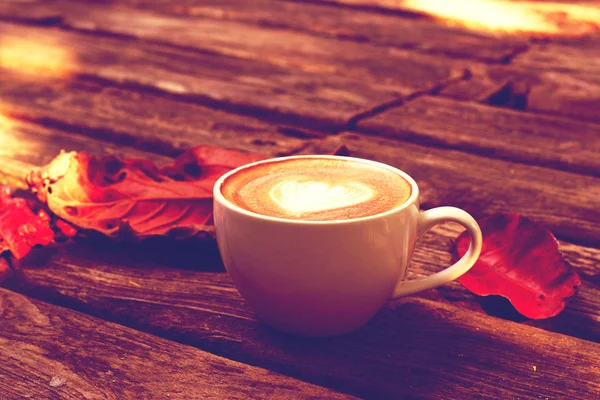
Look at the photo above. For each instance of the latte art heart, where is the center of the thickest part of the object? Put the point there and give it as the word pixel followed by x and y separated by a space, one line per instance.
pixel 311 196
pixel 316 189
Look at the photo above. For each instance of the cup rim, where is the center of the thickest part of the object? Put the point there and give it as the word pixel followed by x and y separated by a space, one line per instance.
pixel 218 195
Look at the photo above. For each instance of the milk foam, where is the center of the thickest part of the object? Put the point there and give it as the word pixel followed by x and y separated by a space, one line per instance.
pixel 311 196
pixel 316 189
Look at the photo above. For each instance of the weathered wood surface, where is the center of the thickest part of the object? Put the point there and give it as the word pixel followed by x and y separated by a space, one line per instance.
pixel 397 69
pixel 228 82
pixel 284 77
pixel 28 145
pixel 419 34
pixel 581 58
pixel 574 95
pixel 145 120
pixel 415 349
pixel 570 76
pixel 13 171
pixel 401 5
pixel 581 318
pixel 529 138
pixel 558 77
pixel 295 75
pixel 34 145
pixel 564 202
pixel 51 352
pixel 446 177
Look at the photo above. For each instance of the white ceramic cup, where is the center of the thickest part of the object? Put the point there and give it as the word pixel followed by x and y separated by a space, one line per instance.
pixel 325 278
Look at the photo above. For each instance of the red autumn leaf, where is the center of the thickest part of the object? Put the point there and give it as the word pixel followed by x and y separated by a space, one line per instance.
pixel 112 196
pixel 68 231
pixel 207 164
pixel 5 269
pixel 520 261
pixel 21 228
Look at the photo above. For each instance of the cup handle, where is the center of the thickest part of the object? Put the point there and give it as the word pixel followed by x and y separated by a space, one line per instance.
pixel 428 220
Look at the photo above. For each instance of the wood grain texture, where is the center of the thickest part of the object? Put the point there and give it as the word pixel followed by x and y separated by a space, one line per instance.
pixel 391 5
pixel 413 349
pixel 127 284
pixel 448 178
pixel 572 94
pixel 367 69
pixel 400 70
pixel 13 172
pixel 499 133
pixel 236 84
pixel 28 145
pixel 419 34
pixel 558 77
pixel 148 86
pixel 125 117
pixel 580 56
pixel 581 318
pixel 54 353
pixel 564 202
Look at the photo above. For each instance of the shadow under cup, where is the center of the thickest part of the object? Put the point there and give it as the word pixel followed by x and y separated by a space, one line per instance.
pixel 316 278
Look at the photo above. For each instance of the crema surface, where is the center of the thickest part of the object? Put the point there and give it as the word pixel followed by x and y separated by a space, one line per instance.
pixel 316 189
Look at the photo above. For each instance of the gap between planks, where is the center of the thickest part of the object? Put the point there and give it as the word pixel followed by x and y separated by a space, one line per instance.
pixel 475 148
pixel 353 121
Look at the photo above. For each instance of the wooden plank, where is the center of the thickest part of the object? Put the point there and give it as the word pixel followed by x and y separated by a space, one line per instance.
pixel 373 5
pixel 142 119
pixel 13 172
pixel 530 138
pixel 51 352
pixel 564 202
pixel 581 57
pixel 571 94
pixel 413 349
pixel 404 5
pixel 236 84
pixel 572 70
pixel 559 77
pixel 419 34
pixel 33 145
pixel 386 68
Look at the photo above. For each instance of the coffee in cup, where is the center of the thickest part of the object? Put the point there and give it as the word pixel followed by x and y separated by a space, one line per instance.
pixel 316 189
pixel 318 244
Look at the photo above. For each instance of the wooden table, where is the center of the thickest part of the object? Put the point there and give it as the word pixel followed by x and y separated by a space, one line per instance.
pixel 484 122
